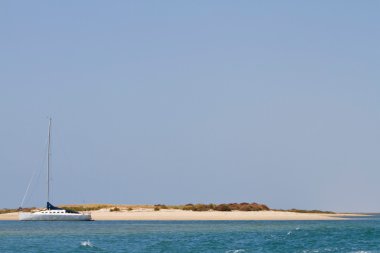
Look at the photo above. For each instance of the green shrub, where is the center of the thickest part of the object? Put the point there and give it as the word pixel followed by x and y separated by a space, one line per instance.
pixel 202 207
pixel 115 209
pixel 246 208
pixel 25 209
pixel 85 208
pixel 188 207
pixel 309 211
pixel 223 208
pixel 259 207
pixel 161 206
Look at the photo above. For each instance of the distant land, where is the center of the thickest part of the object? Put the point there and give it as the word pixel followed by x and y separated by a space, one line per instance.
pixel 244 206
pixel 229 211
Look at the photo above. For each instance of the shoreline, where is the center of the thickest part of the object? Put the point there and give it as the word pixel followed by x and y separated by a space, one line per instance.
pixel 182 215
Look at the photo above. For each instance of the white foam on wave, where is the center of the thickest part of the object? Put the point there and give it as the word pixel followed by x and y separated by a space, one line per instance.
pixel 235 251
pixel 86 243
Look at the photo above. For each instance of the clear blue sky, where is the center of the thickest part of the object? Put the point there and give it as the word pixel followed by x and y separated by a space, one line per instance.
pixel 199 101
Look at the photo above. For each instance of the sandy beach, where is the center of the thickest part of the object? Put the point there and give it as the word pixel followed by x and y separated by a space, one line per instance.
pixel 175 214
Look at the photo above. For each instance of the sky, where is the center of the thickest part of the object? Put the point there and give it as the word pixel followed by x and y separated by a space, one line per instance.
pixel 176 102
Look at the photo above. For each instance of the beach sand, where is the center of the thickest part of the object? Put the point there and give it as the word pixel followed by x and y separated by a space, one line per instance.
pixel 175 214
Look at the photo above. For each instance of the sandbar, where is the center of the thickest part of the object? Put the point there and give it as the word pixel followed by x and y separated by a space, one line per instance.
pixel 175 214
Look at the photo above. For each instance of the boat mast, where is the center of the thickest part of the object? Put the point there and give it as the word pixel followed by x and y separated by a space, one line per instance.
pixel 48 164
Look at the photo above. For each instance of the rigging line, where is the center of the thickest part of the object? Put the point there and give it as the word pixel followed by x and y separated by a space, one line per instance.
pixel 38 169
pixel 27 189
pixel 38 179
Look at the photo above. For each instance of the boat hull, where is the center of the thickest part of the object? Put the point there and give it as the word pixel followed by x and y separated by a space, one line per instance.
pixel 54 217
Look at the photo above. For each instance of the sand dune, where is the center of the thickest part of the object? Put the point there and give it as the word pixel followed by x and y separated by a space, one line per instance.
pixel 175 214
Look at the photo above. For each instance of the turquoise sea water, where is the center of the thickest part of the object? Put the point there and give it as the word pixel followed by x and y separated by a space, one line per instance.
pixel 362 235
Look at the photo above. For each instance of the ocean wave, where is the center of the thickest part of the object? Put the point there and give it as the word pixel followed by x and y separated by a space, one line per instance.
pixel 86 244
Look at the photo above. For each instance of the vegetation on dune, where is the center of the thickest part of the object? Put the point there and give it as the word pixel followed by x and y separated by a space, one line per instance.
pixel 2 211
pixel 246 207
pixel 226 207
pixel 199 207
pixel 223 208
pixel 294 210
pixel 81 208
pixel 160 206
pixel 6 210
pixel 309 211
pixel 249 207
pixel 115 209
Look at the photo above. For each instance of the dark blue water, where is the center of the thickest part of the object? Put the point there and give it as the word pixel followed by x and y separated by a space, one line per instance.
pixel 361 235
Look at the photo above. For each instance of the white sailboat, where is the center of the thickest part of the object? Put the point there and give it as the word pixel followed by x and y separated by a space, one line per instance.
pixel 53 213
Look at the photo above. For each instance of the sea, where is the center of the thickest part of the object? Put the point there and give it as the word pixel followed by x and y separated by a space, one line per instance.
pixel 356 235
